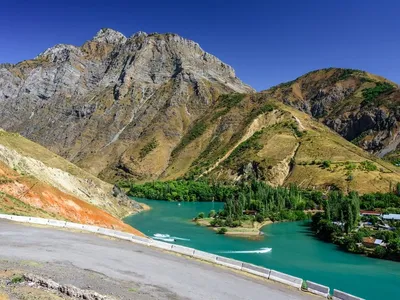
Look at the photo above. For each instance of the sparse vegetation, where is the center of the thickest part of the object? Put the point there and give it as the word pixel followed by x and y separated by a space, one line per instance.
pixel 295 129
pixel 346 73
pixel 150 146
pixel 370 94
pixel 256 112
pixel 17 279
pixel 251 143
pixel 368 166
pixel 326 164
pixel 196 131
pixel 230 100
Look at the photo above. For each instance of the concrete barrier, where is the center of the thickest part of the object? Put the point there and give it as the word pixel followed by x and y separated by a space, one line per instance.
pixel 74 225
pixel 228 262
pixel 161 245
pixel 182 250
pixel 90 228
pixel 286 279
pixel 123 236
pixel 339 295
pixel 20 219
pixel 205 256
pixel 317 289
pixel 107 232
pixel 7 217
pixel 57 223
pixel 256 270
pixel 141 240
pixel 40 221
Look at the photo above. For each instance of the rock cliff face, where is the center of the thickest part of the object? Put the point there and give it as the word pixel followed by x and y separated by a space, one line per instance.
pixel 361 107
pixel 116 106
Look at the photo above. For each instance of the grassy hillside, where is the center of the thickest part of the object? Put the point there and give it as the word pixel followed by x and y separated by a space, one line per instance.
pixel 361 107
pixel 255 136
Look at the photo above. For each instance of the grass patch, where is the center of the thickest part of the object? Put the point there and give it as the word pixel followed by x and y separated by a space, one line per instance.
pixel 256 112
pixel 370 94
pixel 150 146
pixel 368 166
pixel 347 73
pixel 17 279
pixel 197 130
pixel 251 143
pixel 230 100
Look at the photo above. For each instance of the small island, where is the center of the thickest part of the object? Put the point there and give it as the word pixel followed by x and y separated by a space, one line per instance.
pixel 247 227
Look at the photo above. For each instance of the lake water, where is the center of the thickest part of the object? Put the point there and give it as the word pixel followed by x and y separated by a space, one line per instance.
pixel 294 250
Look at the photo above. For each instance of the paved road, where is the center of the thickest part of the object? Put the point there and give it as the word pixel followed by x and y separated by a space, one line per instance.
pixel 170 276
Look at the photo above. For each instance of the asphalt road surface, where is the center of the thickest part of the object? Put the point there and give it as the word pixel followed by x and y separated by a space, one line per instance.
pixel 126 270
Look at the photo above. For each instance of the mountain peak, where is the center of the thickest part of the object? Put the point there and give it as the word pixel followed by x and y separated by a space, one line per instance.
pixel 109 36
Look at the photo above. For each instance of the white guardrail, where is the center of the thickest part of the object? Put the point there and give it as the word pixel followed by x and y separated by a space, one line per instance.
pixel 283 278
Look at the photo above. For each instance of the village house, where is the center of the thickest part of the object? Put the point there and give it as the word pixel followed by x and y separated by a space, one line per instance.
pixel 371 242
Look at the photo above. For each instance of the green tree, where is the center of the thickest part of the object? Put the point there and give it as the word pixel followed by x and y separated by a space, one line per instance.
pixel 212 214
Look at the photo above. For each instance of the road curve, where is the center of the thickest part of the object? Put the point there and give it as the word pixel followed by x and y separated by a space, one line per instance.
pixel 182 277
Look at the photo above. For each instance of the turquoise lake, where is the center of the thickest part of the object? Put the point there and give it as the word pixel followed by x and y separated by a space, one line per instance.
pixel 294 250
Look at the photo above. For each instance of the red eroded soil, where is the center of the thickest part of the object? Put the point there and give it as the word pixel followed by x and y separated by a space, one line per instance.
pixel 43 196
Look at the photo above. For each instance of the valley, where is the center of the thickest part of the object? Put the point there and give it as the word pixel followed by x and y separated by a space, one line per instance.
pixel 157 117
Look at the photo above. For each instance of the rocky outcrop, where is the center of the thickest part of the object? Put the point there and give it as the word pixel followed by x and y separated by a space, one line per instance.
pixel 351 102
pixel 96 104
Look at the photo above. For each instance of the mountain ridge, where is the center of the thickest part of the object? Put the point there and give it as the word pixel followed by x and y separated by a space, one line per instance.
pixel 105 94
pixel 156 106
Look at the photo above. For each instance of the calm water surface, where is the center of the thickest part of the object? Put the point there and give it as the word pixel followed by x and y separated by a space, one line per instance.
pixel 294 250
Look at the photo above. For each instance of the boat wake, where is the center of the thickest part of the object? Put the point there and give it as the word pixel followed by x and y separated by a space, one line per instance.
pixel 260 251
pixel 164 239
pixel 168 238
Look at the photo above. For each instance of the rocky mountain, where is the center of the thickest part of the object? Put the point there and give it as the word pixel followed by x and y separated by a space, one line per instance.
pixel 361 107
pixel 106 105
pixel 37 182
pixel 156 106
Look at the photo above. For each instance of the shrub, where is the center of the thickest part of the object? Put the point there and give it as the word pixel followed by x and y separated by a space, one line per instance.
pixel 200 215
pixel 150 146
pixel 368 166
pixel 222 230
pixel 236 223
pixel 17 279
pixel 380 252
pixel 259 218
pixel 212 214
pixel 326 164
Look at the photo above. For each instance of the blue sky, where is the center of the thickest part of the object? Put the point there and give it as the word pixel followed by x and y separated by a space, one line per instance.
pixel 267 42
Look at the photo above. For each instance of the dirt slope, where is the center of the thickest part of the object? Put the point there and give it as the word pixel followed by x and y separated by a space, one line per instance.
pixel 26 195
pixel 37 182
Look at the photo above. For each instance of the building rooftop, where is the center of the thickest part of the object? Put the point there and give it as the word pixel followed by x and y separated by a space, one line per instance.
pixel 391 217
